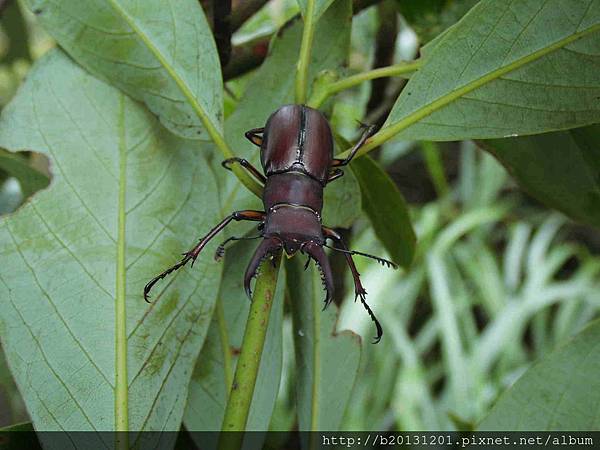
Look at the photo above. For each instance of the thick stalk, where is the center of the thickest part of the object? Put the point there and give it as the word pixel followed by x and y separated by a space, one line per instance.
pixel 308 33
pixel 244 380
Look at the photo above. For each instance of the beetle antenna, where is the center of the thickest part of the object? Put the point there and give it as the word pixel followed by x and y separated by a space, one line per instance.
pixel 382 261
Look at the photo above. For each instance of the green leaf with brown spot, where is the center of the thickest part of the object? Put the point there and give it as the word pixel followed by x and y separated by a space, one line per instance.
pixel 126 198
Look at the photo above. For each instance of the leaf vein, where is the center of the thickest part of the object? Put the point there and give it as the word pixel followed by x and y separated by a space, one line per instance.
pixel 34 337
pixel 166 328
pixel 73 254
pixel 154 187
pixel 165 225
pixel 164 381
pixel 62 171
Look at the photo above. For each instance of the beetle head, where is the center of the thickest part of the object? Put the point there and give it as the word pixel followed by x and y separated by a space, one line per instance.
pixel 294 243
pixel 291 245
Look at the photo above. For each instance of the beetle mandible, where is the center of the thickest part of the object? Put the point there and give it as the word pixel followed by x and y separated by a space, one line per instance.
pixel 296 154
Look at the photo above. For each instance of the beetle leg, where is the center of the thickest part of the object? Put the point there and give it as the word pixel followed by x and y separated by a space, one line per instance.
pixel 268 247
pixel 193 253
pixel 359 290
pixel 316 252
pixel 220 252
pixel 255 136
pixel 334 175
pixel 369 131
pixel 246 165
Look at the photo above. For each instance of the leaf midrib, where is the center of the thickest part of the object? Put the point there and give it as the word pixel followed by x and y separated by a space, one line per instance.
pixel 213 131
pixel 121 384
pixel 414 117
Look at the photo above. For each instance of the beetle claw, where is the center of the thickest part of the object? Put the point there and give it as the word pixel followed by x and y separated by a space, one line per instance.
pixel 316 252
pixel 219 253
pixel 362 295
pixel 267 247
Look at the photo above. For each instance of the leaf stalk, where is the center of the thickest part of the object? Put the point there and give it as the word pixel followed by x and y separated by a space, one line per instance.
pixel 403 68
pixel 308 33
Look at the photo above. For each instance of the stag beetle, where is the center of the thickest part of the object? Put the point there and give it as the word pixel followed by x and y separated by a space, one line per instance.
pixel 296 154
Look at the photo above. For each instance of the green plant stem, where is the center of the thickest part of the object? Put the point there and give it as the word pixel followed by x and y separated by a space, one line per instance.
pixel 227 364
pixel 435 167
pixel 244 381
pixel 308 33
pixel 402 68
pixel 389 131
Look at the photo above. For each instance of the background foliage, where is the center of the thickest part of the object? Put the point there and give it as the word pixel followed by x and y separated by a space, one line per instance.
pixel 484 186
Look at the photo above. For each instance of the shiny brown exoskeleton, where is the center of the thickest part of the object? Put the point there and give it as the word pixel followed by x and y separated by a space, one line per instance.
pixel 296 154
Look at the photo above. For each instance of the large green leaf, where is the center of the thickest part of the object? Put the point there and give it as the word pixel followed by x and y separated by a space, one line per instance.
pixel 30 179
pixel 319 7
pixel 429 18
pixel 387 210
pixel 507 68
pixel 159 52
pixel 273 86
pixel 208 391
pixel 126 198
pixel 327 361
pixel 561 169
pixel 561 392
